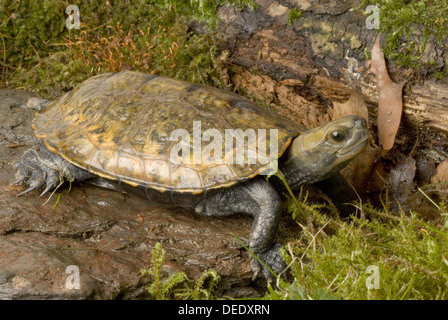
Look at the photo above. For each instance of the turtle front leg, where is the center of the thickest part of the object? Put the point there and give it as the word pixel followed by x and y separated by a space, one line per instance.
pixel 38 167
pixel 258 198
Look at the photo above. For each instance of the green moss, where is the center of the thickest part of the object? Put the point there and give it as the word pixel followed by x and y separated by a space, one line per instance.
pixel 39 52
pixel 53 75
pixel 409 258
pixel 440 75
pixel 413 29
pixel 408 254
pixel 293 15
pixel 202 10
pixel 28 27
pixel 383 255
pixel 161 288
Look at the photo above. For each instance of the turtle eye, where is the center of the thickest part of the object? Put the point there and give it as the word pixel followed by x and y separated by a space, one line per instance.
pixel 338 135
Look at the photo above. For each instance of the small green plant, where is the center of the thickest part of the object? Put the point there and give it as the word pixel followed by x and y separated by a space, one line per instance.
pixel 284 290
pixel 163 288
pixel 203 288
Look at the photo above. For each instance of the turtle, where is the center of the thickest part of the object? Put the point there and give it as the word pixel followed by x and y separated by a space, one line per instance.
pixel 115 130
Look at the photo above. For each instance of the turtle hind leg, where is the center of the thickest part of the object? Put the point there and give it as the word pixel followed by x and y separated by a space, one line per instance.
pixel 40 168
pixel 258 198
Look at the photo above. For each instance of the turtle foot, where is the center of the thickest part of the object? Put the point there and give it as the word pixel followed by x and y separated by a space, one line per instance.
pixel 272 259
pixel 35 172
pixel 40 168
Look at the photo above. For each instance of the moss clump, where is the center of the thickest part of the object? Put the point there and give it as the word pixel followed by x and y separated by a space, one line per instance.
pixel 415 32
pixel 381 256
pixel 378 254
pixel 39 52
pixel 202 10
pixel 408 254
pixel 293 15
pixel 28 27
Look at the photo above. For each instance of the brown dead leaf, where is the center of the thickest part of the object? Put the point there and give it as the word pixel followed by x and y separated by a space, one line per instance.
pixel 379 178
pixel 442 173
pixel 360 169
pixel 390 103
pixel 355 105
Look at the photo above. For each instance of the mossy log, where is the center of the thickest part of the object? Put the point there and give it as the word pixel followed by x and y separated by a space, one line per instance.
pixel 300 67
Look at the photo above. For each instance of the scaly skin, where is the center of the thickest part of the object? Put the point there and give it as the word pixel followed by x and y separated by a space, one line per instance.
pixel 38 168
pixel 259 199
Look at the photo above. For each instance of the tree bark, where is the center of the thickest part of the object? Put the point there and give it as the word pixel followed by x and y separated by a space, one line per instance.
pixel 301 68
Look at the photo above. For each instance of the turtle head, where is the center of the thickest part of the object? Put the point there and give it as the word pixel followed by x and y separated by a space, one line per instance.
pixel 321 152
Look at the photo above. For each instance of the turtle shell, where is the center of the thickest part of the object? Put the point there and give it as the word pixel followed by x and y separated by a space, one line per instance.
pixel 119 126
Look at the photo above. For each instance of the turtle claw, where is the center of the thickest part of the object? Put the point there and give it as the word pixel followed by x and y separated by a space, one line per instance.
pixel 19 181
pixel 26 191
pixel 50 185
pixel 39 178
pixel 48 188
